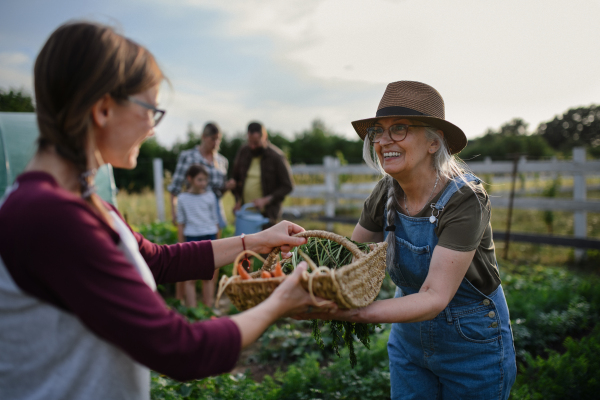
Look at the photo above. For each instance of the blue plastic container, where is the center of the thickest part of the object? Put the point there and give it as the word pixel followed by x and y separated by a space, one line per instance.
pixel 248 221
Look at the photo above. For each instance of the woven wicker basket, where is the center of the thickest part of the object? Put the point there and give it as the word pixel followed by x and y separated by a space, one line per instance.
pixel 351 286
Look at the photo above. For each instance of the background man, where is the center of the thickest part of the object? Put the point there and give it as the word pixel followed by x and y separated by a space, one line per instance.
pixel 262 174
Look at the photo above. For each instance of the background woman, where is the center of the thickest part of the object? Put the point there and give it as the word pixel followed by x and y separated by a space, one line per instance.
pixel 206 154
pixel 451 335
pixel 80 315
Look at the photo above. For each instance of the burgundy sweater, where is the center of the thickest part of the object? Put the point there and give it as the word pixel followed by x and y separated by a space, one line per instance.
pixel 58 250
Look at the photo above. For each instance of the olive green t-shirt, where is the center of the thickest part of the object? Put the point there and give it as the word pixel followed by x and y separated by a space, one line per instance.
pixel 464 225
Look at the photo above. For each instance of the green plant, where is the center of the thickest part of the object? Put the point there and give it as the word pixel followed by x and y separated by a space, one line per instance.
pixel 547 304
pixel 572 375
pixel 287 342
pixel 158 232
pixel 304 379
pixel 199 313
pixel 333 255
pixel 551 191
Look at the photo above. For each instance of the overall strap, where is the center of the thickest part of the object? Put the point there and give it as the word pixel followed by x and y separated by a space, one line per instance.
pixel 452 188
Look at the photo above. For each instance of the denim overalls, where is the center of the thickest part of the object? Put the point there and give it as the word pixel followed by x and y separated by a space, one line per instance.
pixel 467 351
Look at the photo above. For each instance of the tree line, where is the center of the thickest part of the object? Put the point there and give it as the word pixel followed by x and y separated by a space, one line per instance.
pixel 578 126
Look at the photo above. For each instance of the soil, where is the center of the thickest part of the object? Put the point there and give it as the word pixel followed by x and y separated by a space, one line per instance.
pixel 248 362
pixel 249 365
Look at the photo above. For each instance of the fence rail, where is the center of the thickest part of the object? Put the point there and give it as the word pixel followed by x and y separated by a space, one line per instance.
pixel 337 195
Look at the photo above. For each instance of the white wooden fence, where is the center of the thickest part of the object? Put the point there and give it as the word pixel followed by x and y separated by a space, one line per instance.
pixel 337 195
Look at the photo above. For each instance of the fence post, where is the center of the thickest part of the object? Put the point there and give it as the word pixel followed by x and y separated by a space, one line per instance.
pixel 331 184
pixel 579 193
pixel 511 199
pixel 159 191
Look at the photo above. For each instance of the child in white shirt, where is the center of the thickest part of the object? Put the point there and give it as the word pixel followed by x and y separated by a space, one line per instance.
pixel 197 219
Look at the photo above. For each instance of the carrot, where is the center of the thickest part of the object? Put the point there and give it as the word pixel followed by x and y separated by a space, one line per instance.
pixel 278 272
pixel 245 275
pixel 265 275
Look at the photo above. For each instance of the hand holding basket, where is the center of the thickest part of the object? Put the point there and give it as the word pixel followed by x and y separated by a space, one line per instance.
pixel 351 286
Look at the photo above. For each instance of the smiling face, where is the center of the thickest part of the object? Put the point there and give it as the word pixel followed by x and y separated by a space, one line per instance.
pixel 409 156
pixel 126 127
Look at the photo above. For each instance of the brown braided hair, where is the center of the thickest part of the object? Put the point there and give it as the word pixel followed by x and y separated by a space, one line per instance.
pixel 79 64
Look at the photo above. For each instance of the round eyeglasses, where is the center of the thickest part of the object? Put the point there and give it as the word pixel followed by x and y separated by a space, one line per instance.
pixel 397 132
pixel 157 114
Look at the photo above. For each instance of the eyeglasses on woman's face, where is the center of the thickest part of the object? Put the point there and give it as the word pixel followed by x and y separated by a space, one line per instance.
pixel 397 132
pixel 157 114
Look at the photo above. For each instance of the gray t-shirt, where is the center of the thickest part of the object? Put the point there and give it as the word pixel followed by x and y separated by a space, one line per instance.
pixel 198 212
pixel 464 225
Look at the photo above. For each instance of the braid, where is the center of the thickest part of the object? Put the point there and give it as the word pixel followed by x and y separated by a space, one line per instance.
pixel 392 208
pixel 69 141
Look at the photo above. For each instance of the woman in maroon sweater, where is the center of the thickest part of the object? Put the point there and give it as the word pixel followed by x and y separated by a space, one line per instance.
pixel 81 316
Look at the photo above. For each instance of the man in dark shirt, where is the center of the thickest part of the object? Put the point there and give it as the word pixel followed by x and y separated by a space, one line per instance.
pixel 262 174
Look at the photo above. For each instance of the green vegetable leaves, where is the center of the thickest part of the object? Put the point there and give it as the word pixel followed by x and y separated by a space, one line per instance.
pixel 333 255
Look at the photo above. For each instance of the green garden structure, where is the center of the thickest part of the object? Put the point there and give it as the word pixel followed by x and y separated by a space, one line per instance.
pixel 18 133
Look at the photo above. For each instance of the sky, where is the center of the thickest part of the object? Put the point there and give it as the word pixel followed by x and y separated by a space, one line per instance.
pixel 288 62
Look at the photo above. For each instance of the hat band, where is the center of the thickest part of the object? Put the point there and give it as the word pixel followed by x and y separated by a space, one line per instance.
pixel 390 111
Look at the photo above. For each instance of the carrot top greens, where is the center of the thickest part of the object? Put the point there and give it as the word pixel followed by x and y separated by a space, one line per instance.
pixel 330 254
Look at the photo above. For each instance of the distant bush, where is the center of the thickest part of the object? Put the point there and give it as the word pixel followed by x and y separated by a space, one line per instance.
pixel 15 101
pixel 159 232
pixel 512 138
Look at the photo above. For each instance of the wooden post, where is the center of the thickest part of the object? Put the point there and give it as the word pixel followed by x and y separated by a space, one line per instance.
pixel 159 191
pixel 510 204
pixel 331 184
pixel 579 193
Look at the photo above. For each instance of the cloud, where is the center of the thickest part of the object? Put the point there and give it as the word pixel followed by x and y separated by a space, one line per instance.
pixel 491 61
pixel 14 69
pixel 336 104
pixel 288 62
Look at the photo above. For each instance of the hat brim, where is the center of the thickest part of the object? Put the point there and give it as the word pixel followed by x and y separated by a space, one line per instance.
pixel 454 136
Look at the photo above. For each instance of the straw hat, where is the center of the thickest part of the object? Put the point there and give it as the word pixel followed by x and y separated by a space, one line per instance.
pixel 419 102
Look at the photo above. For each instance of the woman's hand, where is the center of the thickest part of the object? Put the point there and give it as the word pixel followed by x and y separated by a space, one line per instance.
pixel 294 299
pixel 333 313
pixel 279 235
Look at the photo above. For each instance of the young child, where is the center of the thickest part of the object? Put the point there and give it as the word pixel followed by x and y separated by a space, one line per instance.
pixel 197 219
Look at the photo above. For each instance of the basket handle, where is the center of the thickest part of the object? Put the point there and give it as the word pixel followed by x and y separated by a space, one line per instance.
pixel 239 257
pixel 356 252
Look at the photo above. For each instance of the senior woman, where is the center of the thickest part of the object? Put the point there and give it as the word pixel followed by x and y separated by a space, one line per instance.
pixel 451 335
pixel 81 318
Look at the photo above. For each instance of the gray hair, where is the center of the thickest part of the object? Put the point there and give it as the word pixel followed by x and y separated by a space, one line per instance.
pixel 448 166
